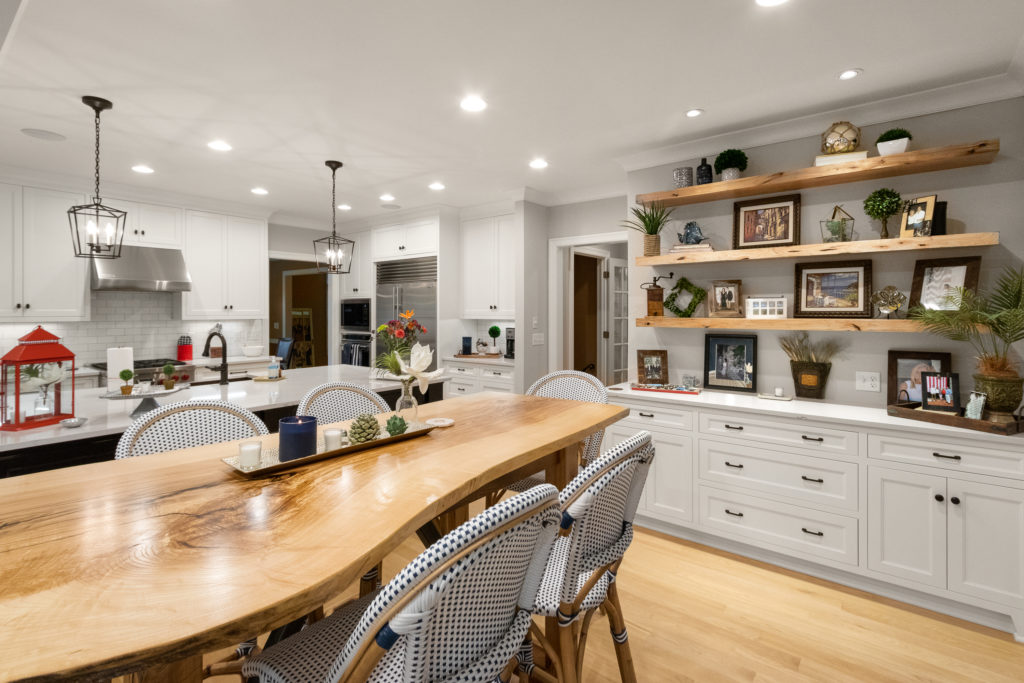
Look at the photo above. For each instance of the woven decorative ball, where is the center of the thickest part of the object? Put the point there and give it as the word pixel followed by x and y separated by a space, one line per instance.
pixel 841 137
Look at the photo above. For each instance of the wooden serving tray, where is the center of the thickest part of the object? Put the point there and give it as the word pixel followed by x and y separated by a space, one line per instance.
pixel 911 410
pixel 269 463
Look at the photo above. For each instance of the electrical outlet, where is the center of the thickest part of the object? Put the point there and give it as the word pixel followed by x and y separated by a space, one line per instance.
pixel 534 322
pixel 538 339
pixel 869 381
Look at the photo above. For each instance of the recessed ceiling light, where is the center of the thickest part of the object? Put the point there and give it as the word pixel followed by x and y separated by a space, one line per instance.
pixel 850 73
pixel 771 3
pixel 387 197
pixel 142 168
pixel 538 163
pixel 40 134
pixel 694 113
pixel 259 190
pixel 436 185
pixel 473 103
pixel 344 207
pixel 219 145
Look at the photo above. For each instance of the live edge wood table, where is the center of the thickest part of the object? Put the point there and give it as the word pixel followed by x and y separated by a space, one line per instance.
pixel 141 565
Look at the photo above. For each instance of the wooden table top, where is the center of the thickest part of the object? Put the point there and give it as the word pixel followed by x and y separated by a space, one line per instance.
pixel 107 566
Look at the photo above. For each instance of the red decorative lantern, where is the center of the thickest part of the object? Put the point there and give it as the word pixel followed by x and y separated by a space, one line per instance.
pixel 34 388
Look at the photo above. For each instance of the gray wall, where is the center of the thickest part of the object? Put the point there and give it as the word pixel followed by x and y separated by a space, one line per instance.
pixel 295 240
pixel 981 199
pixel 534 290
pixel 585 218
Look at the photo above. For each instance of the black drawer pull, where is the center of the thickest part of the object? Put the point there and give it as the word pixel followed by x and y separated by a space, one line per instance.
pixel 734 514
pixel 812 533
pixel 816 481
pixel 939 497
pixel 729 464
pixel 738 429
pixel 947 457
pixel 646 414
pixel 954 500
pixel 812 438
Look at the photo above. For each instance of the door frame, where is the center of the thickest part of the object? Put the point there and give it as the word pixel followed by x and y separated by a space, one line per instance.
pixel 333 302
pixel 602 257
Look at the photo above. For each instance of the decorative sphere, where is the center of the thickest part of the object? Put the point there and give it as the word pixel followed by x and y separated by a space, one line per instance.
pixel 840 137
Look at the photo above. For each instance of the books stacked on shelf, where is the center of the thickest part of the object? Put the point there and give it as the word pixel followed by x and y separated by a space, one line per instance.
pixel 683 248
pixel 828 159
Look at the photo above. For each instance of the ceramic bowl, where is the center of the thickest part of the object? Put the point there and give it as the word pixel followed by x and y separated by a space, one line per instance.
pixel 252 350
pixel 73 422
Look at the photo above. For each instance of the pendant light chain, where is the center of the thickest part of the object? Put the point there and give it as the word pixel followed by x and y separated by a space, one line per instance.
pixel 334 206
pixel 97 195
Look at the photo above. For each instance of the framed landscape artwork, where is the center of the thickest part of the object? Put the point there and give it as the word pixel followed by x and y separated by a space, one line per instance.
pixel 730 362
pixel 836 289
pixel 724 299
pixel 770 222
pixel 652 366
pixel 905 370
pixel 937 279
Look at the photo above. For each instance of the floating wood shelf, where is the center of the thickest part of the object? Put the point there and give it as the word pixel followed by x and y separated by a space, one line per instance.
pixel 920 161
pixel 810 324
pixel 974 239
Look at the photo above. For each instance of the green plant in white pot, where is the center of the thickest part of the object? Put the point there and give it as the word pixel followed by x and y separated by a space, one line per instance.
pixel 649 220
pixel 991 323
pixel 893 141
pixel 730 163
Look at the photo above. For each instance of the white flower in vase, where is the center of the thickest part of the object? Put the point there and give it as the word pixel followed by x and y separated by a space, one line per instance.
pixel 420 357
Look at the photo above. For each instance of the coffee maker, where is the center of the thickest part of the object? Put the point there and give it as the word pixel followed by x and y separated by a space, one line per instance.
pixel 510 342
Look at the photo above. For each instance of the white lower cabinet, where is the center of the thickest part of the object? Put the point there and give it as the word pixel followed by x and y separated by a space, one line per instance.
pixel 668 493
pixel 467 377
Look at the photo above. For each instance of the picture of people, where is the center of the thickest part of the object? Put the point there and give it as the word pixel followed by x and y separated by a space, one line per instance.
pixel 766 222
pixel 917 219
pixel 941 392
pixel 937 280
pixel 905 382
pixel 730 362
pixel 724 299
pixel 912 383
pixel 652 366
pixel 833 290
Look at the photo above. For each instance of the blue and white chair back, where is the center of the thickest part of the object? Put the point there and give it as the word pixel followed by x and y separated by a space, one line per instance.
pixel 188 424
pixel 339 401
pixel 574 386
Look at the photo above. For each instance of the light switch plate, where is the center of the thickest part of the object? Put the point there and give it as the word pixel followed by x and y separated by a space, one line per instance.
pixel 538 339
pixel 869 381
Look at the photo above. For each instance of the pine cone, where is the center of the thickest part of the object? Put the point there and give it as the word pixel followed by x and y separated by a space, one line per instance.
pixel 364 428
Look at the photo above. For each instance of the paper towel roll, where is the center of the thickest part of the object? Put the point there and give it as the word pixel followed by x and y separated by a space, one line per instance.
pixel 119 359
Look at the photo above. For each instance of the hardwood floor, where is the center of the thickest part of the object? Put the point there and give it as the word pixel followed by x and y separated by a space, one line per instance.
pixel 699 614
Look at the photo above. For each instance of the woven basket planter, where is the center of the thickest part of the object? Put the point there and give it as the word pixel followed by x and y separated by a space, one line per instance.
pixel 809 378
pixel 652 245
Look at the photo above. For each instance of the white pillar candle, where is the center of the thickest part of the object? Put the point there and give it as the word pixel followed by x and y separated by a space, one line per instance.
pixel 332 439
pixel 778 391
pixel 249 455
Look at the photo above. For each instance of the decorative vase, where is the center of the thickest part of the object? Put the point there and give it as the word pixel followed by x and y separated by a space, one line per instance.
pixel 730 173
pixel 1004 395
pixel 406 406
pixel 652 245
pixel 126 390
pixel 704 175
pixel 893 147
pixel 809 378
pixel 683 176
pixel 884 235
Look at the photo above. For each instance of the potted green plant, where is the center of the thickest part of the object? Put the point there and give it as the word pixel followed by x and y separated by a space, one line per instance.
pixel 730 163
pixel 649 220
pixel 882 205
pixel 893 141
pixel 493 332
pixel 168 370
pixel 126 376
pixel 810 362
pixel 990 323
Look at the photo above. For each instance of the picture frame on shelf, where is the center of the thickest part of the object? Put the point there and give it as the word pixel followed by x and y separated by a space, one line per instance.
pixel 833 289
pixel 905 369
pixel 724 299
pixel 918 219
pixel 652 366
pixel 767 307
pixel 935 279
pixel 730 362
pixel 941 392
pixel 766 222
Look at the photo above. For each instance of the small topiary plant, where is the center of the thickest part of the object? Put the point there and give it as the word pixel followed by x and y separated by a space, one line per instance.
pixel 730 158
pixel 881 205
pixel 168 370
pixel 494 332
pixel 126 376
pixel 894 134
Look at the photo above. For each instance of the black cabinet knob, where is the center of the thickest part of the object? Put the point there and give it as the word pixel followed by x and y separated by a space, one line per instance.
pixel 954 500
pixel 232 307
pixel 939 497
pixel 135 231
pixel 17 305
pixel 143 232
pixel 28 306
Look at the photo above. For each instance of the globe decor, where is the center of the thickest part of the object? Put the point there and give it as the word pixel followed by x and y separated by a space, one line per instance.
pixel 37 387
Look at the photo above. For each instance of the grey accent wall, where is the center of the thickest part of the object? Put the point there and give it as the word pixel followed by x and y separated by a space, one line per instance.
pixel 295 240
pixel 534 291
pixel 584 218
pixel 981 199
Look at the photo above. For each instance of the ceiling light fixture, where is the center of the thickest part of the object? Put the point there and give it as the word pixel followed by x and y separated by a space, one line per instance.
pixel 142 168
pixel 387 197
pixel 437 186
pixel 694 113
pixel 40 134
pixel 333 253
pixel 850 73
pixel 473 103
pixel 219 145
pixel 344 207
pixel 771 3
pixel 259 190
pixel 97 230
pixel 538 163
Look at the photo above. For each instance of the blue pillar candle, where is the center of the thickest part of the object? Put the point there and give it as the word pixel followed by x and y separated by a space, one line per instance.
pixel 296 437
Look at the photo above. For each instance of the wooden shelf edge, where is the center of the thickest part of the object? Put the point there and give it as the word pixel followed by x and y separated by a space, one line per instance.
pixel 786 324
pixel 973 239
pixel 918 161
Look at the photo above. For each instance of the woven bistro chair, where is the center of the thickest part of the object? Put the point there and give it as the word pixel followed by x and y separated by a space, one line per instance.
pixel 188 424
pixel 596 529
pixel 458 612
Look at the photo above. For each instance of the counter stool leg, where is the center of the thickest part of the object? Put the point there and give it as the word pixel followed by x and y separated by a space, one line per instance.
pixel 618 628
pixel 370 581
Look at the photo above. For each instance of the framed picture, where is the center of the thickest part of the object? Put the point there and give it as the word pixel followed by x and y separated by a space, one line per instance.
pixel 652 366
pixel 906 368
pixel 771 222
pixel 936 279
pixel 941 392
pixel 767 307
pixel 724 299
pixel 836 289
pixel 730 362
pixel 918 219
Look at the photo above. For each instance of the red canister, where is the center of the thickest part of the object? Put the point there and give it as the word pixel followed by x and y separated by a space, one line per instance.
pixel 184 348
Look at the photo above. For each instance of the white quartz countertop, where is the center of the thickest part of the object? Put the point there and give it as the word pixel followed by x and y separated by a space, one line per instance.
pixel 113 416
pixel 504 362
pixel 232 360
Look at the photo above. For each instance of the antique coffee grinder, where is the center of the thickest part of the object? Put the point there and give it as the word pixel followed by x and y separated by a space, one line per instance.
pixel 656 295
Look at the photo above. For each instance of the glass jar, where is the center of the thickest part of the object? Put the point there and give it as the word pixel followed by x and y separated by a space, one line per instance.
pixel 406 406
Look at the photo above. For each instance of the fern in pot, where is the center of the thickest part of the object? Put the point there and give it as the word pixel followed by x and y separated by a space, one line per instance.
pixel 649 220
pixel 991 323
pixel 810 362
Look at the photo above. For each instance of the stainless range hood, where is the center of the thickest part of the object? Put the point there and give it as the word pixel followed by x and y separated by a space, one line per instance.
pixel 142 269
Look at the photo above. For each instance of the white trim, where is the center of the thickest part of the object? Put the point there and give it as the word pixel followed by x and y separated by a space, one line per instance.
pixel 587 194
pixel 489 210
pixel 291 256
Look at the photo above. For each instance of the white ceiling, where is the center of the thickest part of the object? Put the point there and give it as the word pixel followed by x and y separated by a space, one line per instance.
pixel 377 85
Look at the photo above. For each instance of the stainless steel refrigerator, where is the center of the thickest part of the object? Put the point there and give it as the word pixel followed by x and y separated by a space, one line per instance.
pixel 405 285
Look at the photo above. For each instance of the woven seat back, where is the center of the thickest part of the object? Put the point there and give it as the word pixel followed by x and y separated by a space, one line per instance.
pixel 188 424
pixel 574 386
pixel 340 401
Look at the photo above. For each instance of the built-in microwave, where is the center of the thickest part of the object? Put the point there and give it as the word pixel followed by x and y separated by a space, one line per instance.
pixel 355 314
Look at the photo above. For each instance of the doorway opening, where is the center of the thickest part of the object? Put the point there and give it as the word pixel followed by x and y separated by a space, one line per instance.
pixel 299 311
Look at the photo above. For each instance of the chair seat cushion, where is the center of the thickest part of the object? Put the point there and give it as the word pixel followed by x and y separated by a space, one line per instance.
pixel 526 484
pixel 548 597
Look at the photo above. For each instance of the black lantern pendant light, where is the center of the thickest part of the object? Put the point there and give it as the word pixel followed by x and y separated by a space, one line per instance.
pixel 97 230
pixel 333 254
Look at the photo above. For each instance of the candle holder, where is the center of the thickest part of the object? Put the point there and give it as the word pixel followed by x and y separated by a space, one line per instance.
pixel 296 437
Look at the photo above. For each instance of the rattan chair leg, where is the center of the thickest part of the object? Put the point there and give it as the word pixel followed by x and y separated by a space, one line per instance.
pixel 617 625
pixel 581 642
pixel 506 674
pixel 553 659
pixel 370 581
pixel 567 655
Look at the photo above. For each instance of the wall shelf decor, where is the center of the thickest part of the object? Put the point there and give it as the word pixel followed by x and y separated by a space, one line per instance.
pixel 810 324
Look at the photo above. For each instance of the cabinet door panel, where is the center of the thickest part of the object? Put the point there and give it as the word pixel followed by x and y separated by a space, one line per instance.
pixel 159 226
pixel 507 261
pixel 478 272
pixel 986 541
pixel 358 283
pixel 670 482
pixel 205 234
pixel 246 267
pixel 54 281
pixel 132 236
pixel 907 525
pixel 420 238
pixel 10 251
pixel 616 434
pixel 386 242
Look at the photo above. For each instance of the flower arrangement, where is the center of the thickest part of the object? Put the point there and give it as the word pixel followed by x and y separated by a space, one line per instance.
pixel 398 338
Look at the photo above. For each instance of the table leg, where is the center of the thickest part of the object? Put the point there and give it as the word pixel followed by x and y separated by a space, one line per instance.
pixel 566 466
pixel 452 518
pixel 188 670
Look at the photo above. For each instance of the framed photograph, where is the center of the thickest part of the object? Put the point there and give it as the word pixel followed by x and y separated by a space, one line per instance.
pixel 918 219
pixel 936 279
pixel 941 392
pixel 770 222
pixel 767 307
pixel 905 370
pixel 724 299
pixel 730 362
pixel 835 289
pixel 652 366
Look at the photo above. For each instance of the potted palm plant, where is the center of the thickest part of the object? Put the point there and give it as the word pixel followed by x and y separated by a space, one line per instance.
pixel 649 220
pixel 991 323
pixel 810 362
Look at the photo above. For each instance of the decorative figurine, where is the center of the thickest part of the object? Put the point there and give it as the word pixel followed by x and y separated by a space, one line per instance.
pixel 840 138
pixel 691 234
pixel 888 300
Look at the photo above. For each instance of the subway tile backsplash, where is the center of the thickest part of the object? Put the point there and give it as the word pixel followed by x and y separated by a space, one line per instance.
pixel 149 322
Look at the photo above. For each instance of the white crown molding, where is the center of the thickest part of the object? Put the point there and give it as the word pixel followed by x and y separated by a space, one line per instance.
pixel 487 210
pixel 287 220
pixel 946 98
pixel 391 217
pixel 589 194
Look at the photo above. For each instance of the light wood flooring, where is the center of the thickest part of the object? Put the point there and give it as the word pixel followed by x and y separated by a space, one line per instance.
pixel 698 614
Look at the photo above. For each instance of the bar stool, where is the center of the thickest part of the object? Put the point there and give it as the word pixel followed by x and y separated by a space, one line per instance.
pixel 459 611
pixel 187 424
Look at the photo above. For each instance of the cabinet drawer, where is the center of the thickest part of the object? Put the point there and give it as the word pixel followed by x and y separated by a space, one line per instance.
pixel 461 370
pixel 660 416
pixel 948 454
pixel 794 433
pixel 796 476
pixel 456 388
pixel 811 532
pixel 492 373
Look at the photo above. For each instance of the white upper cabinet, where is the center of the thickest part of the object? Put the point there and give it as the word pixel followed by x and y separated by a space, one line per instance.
pixel 358 283
pixel 415 238
pixel 247 268
pixel 226 257
pixel 489 258
pixel 10 251
pixel 150 225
